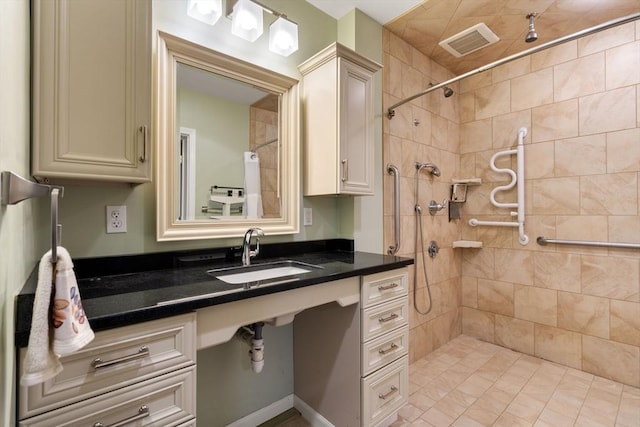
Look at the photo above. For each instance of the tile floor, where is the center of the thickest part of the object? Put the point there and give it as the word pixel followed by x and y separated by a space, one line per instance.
pixel 470 383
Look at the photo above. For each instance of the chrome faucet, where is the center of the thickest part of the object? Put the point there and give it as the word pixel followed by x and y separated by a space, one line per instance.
pixel 247 253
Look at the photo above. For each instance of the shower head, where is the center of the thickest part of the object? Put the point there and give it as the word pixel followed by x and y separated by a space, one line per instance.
pixel 532 35
pixel 433 169
pixel 447 90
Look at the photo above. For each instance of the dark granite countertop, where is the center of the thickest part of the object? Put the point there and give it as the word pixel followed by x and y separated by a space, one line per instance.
pixel 123 290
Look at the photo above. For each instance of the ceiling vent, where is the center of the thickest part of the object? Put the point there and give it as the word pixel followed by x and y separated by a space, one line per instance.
pixel 469 40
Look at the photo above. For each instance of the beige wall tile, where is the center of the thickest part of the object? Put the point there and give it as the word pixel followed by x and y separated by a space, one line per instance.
pixel 557 196
pixel 536 305
pixel 619 61
pixel 514 266
pixel 477 323
pixel 467 107
pixel 607 111
pixel 512 69
pixel 559 271
pixel 612 194
pixel 582 76
pixel 555 55
pixel 624 229
pixel 610 359
pixel 400 49
pixel 539 160
pixel 584 155
pixel 478 263
pixel 583 313
pixel 612 277
pixel 558 345
pixel 477 81
pixel 623 150
pixel 506 127
pixel 612 37
pixel 495 297
pixel 393 76
pixel 475 136
pixel 514 333
pixel 469 292
pixel 581 228
pixel 492 100
pixel 532 90
pixel 625 322
pixel 555 121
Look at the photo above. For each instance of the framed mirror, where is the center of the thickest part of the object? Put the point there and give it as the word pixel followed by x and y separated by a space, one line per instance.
pixel 227 145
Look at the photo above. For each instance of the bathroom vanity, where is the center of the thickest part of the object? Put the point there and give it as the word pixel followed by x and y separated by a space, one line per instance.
pixel 152 312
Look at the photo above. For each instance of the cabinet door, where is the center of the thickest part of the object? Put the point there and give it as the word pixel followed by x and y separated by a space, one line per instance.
pixel 356 129
pixel 92 89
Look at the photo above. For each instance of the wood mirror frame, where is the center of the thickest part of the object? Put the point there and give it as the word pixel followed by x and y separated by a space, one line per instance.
pixel 171 50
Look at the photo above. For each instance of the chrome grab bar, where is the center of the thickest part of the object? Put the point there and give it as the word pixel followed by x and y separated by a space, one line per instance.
pixel 541 240
pixel 392 170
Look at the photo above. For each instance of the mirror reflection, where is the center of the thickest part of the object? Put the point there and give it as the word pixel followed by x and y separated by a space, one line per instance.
pixel 227 149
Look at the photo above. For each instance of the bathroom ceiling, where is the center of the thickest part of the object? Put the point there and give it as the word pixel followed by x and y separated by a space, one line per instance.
pixel 425 23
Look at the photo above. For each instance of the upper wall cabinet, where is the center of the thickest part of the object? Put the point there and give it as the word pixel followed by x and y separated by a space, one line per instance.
pixel 92 90
pixel 337 99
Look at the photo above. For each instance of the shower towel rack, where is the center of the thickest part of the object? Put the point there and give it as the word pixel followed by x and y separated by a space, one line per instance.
pixel 16 189
pixel 516 178
pixel 392 170
pixel 541 240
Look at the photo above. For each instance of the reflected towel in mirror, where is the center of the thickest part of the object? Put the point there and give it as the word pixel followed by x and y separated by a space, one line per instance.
pixel 253 197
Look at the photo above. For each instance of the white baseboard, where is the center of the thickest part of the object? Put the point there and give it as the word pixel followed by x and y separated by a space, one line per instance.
pixel 309 414
pixel 266 413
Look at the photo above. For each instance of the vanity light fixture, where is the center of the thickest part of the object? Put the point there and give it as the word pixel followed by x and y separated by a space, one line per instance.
pixel 247 22
pixel 283 36
pixel 207 11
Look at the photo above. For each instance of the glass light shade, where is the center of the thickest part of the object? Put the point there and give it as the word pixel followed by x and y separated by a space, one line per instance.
pixel 207 11
pixel 246 21
pixel 283 37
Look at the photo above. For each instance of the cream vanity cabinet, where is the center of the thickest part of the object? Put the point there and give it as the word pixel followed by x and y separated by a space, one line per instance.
pixel 142 374
pixel 338 122
pixel 351 363
pixel 91 90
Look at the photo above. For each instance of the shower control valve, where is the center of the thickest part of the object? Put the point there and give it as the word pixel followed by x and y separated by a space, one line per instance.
pixel 435 207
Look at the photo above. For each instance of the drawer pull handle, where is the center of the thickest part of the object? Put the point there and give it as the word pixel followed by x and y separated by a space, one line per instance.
pixel 394 389
pixel 142 413
pixel 392 347
pixel 389 318
pixel 387 287
pixel 145 136
pixel 142 352
pixel 345 170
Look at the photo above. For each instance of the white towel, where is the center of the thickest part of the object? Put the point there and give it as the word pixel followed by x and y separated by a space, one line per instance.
pixel 58 327
pixel 253 193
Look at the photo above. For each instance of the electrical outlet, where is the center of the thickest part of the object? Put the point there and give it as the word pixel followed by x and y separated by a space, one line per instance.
pixel 307 216
pixel 116 219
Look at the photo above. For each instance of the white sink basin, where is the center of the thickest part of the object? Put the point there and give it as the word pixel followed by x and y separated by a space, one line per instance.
pixel 261 272
pixel 266 274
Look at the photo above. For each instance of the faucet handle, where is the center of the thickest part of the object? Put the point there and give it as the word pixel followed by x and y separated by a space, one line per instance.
pixel 259 233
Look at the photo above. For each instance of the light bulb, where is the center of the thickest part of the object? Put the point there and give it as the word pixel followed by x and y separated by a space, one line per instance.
pixel 207 11
pixel 283 37
pixel 246 21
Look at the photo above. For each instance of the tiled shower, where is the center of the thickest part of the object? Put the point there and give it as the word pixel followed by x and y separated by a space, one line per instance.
pixel 580 101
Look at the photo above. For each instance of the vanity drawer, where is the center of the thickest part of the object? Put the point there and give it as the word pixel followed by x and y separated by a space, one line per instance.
pixel 385 286
pixel 130 354
pixel 385 391
pixel 164 401
pixel 384 318
pixel 387 348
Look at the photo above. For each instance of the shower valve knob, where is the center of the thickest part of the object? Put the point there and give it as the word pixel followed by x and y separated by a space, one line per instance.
pixel 435 207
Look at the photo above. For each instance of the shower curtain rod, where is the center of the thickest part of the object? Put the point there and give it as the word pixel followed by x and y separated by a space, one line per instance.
pixel 257 147
pixel 587 31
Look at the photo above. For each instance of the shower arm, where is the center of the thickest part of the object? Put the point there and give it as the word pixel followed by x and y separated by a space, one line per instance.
pixel 604 26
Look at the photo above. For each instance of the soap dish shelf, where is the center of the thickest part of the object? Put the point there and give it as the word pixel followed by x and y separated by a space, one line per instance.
pixel 467 244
